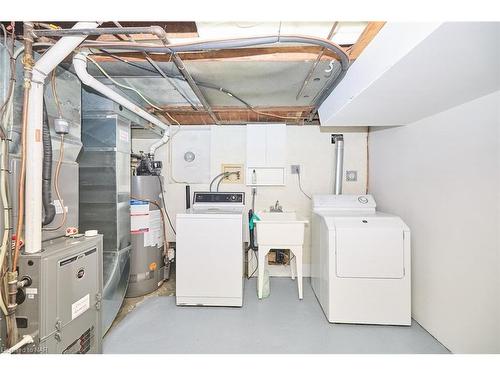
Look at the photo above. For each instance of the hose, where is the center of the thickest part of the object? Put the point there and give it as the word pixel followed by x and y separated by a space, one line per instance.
pixel 251 232
pixel 48 207
pixel 226 175
pixel 215 178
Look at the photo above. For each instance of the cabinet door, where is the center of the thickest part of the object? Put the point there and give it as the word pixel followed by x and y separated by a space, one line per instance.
pixel 266 154
pixel 275 145
pixel 256 145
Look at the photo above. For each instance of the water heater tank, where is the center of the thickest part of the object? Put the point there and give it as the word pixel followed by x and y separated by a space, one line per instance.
pixel 147 266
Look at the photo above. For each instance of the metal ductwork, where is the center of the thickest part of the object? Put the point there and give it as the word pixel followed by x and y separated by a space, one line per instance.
pixel 338 140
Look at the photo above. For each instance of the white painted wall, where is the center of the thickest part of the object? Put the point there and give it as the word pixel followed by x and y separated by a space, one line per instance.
pixel 308 146
pixel 442 176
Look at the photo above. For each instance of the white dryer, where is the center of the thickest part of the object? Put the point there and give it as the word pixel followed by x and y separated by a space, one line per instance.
pixel 209 251
pixel 360 261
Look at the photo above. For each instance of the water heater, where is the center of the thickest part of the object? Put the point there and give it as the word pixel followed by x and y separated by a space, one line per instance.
pixel 147 266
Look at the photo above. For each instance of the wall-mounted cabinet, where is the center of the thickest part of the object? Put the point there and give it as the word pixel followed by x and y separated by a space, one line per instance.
pixel 266 154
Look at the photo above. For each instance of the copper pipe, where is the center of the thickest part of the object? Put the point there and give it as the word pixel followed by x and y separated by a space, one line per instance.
pixel 28 63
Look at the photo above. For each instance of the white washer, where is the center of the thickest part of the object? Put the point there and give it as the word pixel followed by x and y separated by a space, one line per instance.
pixel 360 261
pixel 209 251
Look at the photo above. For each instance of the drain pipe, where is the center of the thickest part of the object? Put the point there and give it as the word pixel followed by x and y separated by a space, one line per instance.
pixel 160 142
pixel 34 150
pixel 80 65
pixel 338 140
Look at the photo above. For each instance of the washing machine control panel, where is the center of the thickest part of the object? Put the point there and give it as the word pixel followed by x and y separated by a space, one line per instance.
pixel 219 198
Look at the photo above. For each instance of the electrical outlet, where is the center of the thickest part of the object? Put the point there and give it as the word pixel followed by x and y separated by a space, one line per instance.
pixel 351 175
pixel 234 178
pixel 295 169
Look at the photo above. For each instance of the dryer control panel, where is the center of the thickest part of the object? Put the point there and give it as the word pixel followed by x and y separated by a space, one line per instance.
pixel 344 202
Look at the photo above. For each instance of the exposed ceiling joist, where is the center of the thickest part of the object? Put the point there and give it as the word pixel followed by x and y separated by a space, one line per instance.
pixel 371 30
pixel 274 53
pixel 174 29
pixel 237 115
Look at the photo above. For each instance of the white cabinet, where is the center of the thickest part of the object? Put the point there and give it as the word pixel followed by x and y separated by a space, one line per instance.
pixel 266 154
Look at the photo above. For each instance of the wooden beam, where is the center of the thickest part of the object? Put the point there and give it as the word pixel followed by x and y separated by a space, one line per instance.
pixel 174 29
pixel 236 115
pixel 274 53
pixel 370 31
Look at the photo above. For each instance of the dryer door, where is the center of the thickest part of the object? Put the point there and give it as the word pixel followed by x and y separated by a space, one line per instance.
pixel 369 247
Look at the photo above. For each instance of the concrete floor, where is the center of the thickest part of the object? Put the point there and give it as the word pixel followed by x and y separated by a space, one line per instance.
pixel 129 304
pixel 278 324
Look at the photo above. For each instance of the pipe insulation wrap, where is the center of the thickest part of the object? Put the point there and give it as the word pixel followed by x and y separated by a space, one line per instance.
pixel 80 65
pixel 34 147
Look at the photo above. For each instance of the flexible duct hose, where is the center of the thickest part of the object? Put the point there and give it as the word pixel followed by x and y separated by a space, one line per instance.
pixel 49 210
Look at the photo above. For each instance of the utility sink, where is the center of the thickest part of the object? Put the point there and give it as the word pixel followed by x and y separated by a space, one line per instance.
pixel 280 228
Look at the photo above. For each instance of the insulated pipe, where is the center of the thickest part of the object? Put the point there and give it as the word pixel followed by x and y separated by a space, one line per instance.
pixel 80 65
pixel 34 149
pixel 338 139
pixel 229 43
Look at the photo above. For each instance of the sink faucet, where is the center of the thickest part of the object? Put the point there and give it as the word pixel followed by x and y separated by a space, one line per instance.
pixel 276 207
